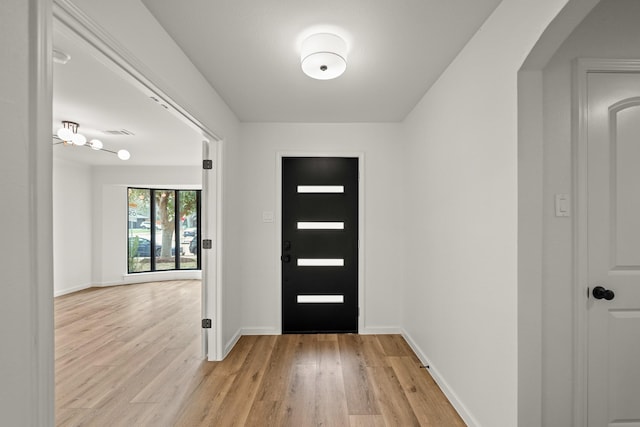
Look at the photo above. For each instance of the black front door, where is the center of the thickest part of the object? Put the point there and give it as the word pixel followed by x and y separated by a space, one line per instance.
pixel 319 244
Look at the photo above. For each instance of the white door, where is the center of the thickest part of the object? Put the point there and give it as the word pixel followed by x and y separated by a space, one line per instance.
pixel 613 227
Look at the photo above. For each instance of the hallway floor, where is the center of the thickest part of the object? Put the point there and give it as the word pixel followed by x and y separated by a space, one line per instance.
pixel 130 356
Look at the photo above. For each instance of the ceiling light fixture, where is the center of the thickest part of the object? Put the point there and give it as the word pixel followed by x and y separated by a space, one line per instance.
pixel 60 57
pixel 69 136
pixel 324 56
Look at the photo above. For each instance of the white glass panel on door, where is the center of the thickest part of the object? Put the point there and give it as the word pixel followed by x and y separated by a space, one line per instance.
pixel 316 225
pixel 321 299
pixel 320 188
pixel 319 262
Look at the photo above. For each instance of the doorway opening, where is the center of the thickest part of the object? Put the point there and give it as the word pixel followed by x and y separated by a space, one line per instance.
pixel 104 189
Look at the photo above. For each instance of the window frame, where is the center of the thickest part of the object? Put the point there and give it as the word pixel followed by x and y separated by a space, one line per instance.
pixel 176 232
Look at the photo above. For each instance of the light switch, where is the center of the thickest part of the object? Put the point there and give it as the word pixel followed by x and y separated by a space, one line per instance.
pixel 267 216
pixel 562 205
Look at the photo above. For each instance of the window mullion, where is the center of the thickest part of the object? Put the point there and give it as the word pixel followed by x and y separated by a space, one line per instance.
pixel 152 229
pixel 176 229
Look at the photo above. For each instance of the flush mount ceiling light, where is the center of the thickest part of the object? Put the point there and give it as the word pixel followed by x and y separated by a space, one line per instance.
pixel 324 56
pixel 60 57
pixel 68 135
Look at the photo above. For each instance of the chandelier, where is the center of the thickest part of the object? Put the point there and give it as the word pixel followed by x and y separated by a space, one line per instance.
pixel 69 136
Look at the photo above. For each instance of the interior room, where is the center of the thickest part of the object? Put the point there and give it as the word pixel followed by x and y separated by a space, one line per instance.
pixel 89 186
pixel 470 124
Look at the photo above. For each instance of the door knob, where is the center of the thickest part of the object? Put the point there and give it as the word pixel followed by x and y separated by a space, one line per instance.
pixel 601 293
pixel 285 258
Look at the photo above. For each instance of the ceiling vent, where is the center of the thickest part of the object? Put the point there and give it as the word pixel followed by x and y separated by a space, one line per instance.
pixel 119 132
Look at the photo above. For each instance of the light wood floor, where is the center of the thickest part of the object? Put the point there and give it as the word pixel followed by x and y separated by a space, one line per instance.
pixel 130 356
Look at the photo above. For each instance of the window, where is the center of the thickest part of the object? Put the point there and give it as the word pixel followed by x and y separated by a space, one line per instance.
pixel 162 229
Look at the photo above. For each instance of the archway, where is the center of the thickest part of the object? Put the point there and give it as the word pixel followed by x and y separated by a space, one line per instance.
pixel 533 204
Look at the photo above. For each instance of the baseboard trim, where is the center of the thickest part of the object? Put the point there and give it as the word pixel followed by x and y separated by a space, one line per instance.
pixel 457 404
pixel 380 330
pixel 246 331
pixel 231 343
pixel 155 276
pixel 260 331
pixel 132 279
pixel 61 292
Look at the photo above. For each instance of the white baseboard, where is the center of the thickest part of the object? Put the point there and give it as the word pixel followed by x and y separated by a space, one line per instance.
pixel 260 331
pixel 60 292
pixel 231 343
pixel 247 331
pixel 442 383
pixel 155 276
pixel 130 279
pixel 380 330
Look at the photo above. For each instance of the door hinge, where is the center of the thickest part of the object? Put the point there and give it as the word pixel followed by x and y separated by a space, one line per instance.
pixel 207 244
pixel 358 311
pixel 206 323
pixel 207 164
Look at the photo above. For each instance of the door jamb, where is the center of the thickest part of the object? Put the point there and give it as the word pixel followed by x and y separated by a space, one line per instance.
pixel 361 225
pixel 581 68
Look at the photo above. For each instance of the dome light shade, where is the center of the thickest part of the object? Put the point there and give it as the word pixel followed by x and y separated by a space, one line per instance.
pixel 60 57
pixel 123 154
pixel 324 56
pixel 78 139
pixel 65 134
pixel 96 144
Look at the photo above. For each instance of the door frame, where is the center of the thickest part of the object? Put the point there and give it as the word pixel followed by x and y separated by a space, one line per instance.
pixel 582 67
pixel 116 58
pixel 361 225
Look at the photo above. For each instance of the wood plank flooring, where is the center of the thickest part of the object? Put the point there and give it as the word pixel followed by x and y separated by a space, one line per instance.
pixel 130 356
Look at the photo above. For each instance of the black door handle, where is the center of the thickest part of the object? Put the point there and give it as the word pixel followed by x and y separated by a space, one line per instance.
pixel 601 293
pixel 285 258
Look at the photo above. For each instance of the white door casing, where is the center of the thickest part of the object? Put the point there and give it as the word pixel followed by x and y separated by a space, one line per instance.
pixel 609 230
pixel 211 228
pixel 362 324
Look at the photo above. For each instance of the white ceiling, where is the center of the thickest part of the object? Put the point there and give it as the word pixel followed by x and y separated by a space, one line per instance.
pixel 89 93
pixel 249 52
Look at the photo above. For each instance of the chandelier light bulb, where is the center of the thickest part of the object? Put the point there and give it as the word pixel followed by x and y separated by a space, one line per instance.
pixel 60 57
pixel 65 134
pixel 123 155
pixel 96 144
pixel 78 139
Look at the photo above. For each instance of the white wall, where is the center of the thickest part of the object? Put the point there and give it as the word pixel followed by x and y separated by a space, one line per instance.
pixel 110 217
pixel 610 31
pixel 460 299
pixel 384 230
pixel 72 226
pixel 26 281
